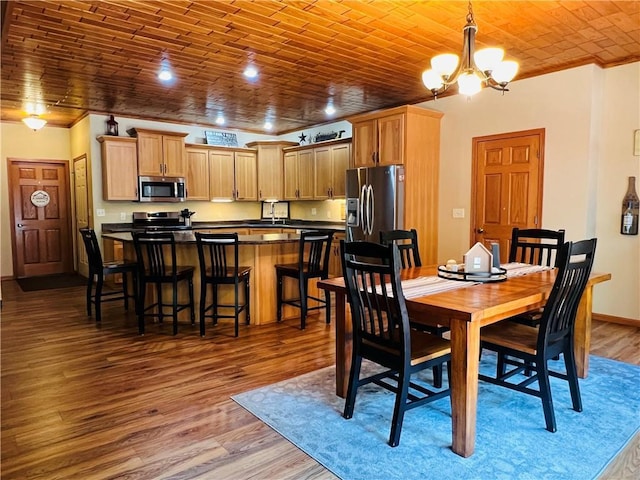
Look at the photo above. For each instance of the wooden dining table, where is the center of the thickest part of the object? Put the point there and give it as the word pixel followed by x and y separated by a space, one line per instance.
pixel 465 311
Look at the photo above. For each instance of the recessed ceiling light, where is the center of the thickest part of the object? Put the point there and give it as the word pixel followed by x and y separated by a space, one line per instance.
pixel 330 110
pixel 219 119
pixel 268 125
pixel 251 72
pixel 165 75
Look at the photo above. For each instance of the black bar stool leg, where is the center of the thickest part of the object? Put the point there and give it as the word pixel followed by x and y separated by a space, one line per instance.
pixel 98 298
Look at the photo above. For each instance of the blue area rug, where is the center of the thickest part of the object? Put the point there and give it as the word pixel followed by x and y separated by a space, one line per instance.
pixel 511 440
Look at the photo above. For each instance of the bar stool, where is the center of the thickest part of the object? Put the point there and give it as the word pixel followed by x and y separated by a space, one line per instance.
pixel 313 262
pixel 99 270
pixel 158 268
pixel 215 270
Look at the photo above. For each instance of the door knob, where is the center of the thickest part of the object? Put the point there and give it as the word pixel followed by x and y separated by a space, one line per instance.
pixel 481 230
pixel 20 225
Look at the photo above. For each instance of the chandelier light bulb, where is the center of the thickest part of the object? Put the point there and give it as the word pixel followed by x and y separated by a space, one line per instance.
pixel 445 64
pixel 469 84
pixel 505 71
pixel 488 59
pixel 431 79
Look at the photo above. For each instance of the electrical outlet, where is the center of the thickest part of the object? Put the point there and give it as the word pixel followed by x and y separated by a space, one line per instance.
pixel 100 212
pixel 458 213
pixel 123 215
pixel 314 211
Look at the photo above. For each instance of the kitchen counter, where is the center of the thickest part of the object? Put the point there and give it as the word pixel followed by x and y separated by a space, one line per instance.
pixel 260 251
pixel 187 236
pixel 292 223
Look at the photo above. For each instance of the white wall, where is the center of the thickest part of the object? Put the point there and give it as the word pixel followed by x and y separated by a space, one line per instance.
pixel 588 115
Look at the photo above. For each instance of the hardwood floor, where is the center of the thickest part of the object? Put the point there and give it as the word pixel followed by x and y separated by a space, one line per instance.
pixel 87 401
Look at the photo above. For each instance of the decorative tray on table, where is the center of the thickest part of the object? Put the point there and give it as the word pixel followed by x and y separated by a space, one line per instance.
pixel 498 274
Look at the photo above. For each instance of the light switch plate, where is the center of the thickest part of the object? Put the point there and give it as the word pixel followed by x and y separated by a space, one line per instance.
pixel 458 213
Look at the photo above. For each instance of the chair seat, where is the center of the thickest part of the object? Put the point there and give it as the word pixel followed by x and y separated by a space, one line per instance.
pixel 229 277
pixel 181 272
pixel 511 335
pixel 424 347
pixel 292 269
pixel 116 266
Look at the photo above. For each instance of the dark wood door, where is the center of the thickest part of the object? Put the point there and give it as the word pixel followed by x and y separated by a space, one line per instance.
pixel 507 173
pixel 41 236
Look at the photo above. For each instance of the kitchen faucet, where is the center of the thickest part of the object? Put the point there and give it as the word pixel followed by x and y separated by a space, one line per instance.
pixel 273 213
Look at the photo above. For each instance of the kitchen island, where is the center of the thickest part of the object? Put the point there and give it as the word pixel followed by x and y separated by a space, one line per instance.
pixel 260 251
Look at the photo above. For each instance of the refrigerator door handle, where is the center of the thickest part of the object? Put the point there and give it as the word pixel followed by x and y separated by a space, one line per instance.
pixel 370 205
pixel 363 220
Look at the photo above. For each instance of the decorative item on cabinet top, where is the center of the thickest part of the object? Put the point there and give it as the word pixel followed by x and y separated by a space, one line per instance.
pixel 223 139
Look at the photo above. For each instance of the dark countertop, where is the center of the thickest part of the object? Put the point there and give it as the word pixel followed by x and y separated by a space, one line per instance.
pixel 292 223
pixel 187 236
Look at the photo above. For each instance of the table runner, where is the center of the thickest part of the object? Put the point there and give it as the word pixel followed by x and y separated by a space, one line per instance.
pixel 421 286
pixel 515 269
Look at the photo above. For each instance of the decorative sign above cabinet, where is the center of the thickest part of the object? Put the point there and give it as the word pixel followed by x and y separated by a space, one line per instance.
pixel 221 138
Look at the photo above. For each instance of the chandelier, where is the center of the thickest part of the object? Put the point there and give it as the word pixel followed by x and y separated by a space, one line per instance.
pixel 472 70
pixel 34 122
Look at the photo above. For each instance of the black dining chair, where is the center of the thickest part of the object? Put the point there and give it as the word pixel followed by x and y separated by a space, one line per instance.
pixel 407 242
pixel 535 246
pixel 382 334
pixel 528 348
pixel 313 262
pixel 214 252
pixel 99 270
pixel 157 265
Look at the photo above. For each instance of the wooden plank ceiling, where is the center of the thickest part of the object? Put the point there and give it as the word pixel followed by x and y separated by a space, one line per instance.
pixel 76 56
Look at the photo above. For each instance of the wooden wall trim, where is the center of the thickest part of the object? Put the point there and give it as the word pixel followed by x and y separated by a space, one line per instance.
pixel 632 322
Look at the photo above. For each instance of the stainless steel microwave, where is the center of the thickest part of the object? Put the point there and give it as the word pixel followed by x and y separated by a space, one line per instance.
pixel 161 189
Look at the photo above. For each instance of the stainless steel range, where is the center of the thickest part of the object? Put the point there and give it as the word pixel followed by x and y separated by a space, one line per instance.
pixel 159 221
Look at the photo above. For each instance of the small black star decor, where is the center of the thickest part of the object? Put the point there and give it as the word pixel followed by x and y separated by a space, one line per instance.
pixel 303 138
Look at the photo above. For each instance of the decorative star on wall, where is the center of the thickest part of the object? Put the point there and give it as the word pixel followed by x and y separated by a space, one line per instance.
pixel 302 137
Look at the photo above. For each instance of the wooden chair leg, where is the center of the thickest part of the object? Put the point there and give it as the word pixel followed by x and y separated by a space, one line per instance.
pixel 98 298
pixel 327 297
pixel 214 310
pixel 89 288
pixel 399 408
pixel 279 296
pixel 174 309
pixel 303 285
pixel 125 291
pixel 572 378
pixel 191 302
pixel 437 376
pixel 203 299
pixel 247 300
pixel 160 302
pixel 236 305
pixel 545 393
pixel 352 390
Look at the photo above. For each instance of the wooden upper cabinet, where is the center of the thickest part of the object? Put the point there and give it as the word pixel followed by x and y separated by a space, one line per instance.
pixel 160 153
pixel 331 163
pixel 270 168
pixel 407 135
pixel 298 175
pixel 365 143
pixel 197 173
pixel 246 182
pixel 379 141
pixel 221 175
pixel 119 168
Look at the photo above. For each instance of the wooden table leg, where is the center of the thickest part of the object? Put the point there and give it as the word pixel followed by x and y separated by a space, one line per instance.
pixel 344 339
pixel 465 349
pixel 582 333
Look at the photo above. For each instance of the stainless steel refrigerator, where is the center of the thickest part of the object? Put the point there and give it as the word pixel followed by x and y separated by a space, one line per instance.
pixel 375 201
